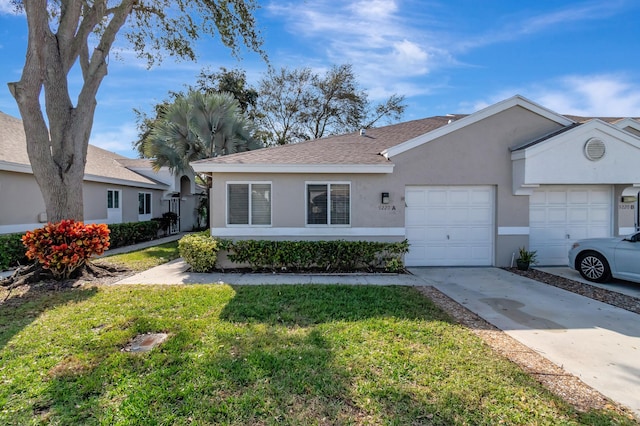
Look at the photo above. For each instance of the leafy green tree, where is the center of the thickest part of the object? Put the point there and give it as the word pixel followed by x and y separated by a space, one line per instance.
pixel 198 126
pixel 234 82
pixel 295 105
pixel 63 34
pixel 231 81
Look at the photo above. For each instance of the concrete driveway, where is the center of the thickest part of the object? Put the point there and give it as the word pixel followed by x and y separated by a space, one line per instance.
pixel 594 341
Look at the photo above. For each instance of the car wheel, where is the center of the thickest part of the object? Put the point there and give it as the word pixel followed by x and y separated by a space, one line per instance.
pixel 594 267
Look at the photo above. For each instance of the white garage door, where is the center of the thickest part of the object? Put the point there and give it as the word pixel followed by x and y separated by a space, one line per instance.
pixel 449 225
pixel 559 215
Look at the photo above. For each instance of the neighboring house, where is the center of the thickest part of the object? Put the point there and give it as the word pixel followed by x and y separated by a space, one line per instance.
pixel 463 189
pixel 116 189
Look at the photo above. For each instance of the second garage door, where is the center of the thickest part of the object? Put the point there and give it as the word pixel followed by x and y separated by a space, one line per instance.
pixel 559 215
pixel 449 225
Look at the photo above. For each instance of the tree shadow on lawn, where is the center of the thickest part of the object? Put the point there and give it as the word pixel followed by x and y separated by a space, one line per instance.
pixel 316 304
pixel 271 355
pixel 264 358
pixel 20 310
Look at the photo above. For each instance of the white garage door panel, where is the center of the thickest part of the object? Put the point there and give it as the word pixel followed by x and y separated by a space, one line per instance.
pixel 559 215
pixel 449 226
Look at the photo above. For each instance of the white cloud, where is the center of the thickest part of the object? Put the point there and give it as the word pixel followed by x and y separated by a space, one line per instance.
pixel 386 46
pixel 601 95
pixel 589 11
pixel 559 19
pixel 7 8
pixel 116 139
pixel 376 10
pixel 392 42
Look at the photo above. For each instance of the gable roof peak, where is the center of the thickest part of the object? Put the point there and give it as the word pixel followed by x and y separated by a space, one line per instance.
pixel 517 100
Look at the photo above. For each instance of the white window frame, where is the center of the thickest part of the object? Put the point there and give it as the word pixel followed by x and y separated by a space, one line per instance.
pixel 114 214
pixel 306 204
pixel 145 216
pixel 113 198
pixel 249 204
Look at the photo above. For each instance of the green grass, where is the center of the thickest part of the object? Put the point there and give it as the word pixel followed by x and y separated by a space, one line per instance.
pixel 144 259
pixel 299 355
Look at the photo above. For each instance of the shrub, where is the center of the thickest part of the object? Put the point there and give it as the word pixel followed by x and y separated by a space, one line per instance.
pixel 124 234
pixel 65 246
pixel 199 250
pixel 12 251
pixel 334 255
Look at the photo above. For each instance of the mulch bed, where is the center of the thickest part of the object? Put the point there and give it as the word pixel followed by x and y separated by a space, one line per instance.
pixel 610 297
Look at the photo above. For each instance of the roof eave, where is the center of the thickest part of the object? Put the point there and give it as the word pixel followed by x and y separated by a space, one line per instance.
pixel 292 168
pixel 125 182
pixel 15 167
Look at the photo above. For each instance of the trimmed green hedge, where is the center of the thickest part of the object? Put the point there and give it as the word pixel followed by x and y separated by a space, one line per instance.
pixel 124 234
pixel 330 256
pixel 12 251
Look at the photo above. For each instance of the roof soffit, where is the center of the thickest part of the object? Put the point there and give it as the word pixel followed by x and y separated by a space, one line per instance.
pixel 580 134
pixel 628 122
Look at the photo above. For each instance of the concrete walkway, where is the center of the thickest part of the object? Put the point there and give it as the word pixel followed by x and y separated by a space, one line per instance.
pixel 177 272
pixel 594 341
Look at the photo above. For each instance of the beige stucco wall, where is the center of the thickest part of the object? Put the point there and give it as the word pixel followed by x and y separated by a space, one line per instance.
pixel 23 202
pixel 627 213
pixel 130 203
pixel 288 198
pixel 21 199
pixel 478 154
pixel 474 155
pixel 95 200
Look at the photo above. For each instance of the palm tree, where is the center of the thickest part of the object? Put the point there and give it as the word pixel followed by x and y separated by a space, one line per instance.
pixel 195 127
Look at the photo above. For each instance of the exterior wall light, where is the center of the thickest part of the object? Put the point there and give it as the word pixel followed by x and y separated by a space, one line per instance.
pixel 385 198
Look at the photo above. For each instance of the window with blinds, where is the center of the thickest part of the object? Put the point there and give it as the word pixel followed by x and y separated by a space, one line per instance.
pixel 249 203
pixel 328 204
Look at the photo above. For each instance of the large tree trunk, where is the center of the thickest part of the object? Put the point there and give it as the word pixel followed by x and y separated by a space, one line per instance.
pixel 57 142
pixel 57 146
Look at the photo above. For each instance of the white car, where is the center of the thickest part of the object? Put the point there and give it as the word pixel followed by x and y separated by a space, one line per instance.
pixel 599 259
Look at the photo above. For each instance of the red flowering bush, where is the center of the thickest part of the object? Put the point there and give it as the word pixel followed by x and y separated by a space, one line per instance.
pixel 65 246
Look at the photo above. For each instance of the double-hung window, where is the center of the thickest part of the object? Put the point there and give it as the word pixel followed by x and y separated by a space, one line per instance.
pixel 144 205
pixel 249 203
pixel 328 203
pixel 113 199
pixel 114 208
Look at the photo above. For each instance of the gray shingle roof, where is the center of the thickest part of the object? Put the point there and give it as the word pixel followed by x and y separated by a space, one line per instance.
pixel 101 163
pixel 351 148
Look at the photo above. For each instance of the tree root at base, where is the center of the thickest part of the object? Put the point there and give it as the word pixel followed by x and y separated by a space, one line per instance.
pixel 34 273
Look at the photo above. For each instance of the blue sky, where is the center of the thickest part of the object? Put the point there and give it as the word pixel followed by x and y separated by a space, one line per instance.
pixel 454 56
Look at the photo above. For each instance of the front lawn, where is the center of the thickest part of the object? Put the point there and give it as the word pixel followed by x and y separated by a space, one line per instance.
pixel 141 260
pixel 257 355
